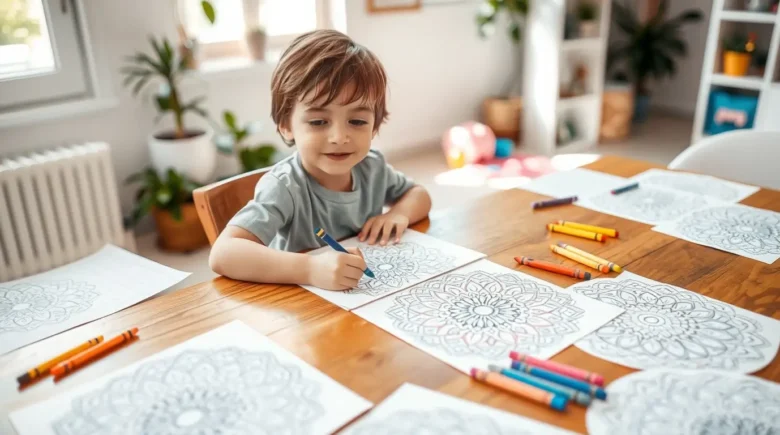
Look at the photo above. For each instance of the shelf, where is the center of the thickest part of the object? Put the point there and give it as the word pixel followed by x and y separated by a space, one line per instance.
pixel 746 82
pixel 748 17
pixel 580 100
pixel 581 44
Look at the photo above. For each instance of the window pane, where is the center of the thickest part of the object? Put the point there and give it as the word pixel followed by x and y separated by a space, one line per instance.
pixel 25 46
pixel 229 25
pixel 287 17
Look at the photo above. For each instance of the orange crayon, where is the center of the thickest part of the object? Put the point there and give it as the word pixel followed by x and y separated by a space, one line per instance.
pixel 44 368
pixel 576 232
pixel 520 389
pixel 553 267
pixel 601 230
pixel 93 353
pixel 603 268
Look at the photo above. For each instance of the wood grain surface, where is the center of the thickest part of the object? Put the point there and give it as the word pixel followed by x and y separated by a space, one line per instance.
pixel 372 362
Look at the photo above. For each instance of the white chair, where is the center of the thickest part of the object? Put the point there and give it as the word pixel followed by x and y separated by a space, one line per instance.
pixel 748 156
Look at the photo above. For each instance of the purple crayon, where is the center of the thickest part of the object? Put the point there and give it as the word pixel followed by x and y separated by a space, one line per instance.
pixel 552 202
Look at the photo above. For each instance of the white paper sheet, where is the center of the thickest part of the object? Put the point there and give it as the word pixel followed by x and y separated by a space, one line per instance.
pixel 416 410
pixel 647 204
pixel 476 315
pixel 747 231
pixel 51 302
pixel 579 181
pixel 229 380
pixel 712 187
pixel 668 326
pixel 397 266
pixel 668 401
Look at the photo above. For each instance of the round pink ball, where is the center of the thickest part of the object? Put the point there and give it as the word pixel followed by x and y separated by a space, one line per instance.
pixel 476 141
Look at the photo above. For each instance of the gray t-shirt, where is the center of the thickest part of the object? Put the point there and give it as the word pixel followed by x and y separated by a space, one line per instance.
pixel 289 204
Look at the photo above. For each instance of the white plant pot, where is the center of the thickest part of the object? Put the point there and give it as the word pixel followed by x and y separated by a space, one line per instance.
pixel 193 157
pixel 589 29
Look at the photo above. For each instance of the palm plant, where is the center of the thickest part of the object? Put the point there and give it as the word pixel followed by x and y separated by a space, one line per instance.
pixel 488 13
pixel 651 48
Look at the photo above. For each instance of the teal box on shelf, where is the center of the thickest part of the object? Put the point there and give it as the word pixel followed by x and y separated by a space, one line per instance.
pixel 729 111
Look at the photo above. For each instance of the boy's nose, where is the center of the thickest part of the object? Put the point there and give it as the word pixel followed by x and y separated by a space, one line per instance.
pixel 338 135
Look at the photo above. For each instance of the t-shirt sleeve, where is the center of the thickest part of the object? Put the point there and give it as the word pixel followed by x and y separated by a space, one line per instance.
pixel 268 212
pixel 397 184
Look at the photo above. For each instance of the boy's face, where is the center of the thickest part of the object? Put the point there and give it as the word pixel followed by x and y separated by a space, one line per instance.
pixel 331 138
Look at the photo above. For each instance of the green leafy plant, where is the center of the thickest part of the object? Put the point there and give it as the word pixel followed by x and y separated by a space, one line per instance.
pixel 651 48
pixel 737 42
pixel 251 158
pixel 208 11
pixel 167 193
pixel 165 65
pixel 587 11
pixel 489 11
pixel 16 26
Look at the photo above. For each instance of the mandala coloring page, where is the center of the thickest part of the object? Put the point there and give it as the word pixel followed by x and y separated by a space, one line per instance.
pixel 706 185
pixel 416 410
pixel 397 266
pixel 578 181
pixel 667 326
pixel 747 231
pixel 231 380
pixel 647 204
pixel 676 401
pixel 477 314
pixel 105 282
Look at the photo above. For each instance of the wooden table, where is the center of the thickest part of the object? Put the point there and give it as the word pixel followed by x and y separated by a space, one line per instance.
pixel 372 362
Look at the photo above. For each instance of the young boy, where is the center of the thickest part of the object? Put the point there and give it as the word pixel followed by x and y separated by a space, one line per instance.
pixel 328 99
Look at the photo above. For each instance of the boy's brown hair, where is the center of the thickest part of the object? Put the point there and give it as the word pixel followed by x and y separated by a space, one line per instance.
pixel 323 63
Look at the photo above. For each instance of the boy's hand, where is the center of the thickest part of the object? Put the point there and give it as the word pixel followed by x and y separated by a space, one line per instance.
pixel 384 224
pixel 335 270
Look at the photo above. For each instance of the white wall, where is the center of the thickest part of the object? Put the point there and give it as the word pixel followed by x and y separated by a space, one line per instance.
pixel 439 72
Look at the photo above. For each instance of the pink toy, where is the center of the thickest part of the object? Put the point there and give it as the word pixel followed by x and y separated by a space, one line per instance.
pixel 469 142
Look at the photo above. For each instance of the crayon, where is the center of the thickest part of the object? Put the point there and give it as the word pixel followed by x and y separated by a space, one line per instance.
pixel 626 188
pixel 552 202
pixel 518 388
pixel 566 370
pixel 553 267
pixel 44 368
pixel 578 397
pixel 612 266
pixel 566 381
pixel 575 232
pixel 601 230
pixel 93 353
pixel 337 246
pixel 603 268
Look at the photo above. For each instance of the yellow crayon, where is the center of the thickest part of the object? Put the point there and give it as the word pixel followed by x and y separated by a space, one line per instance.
pixel 612 266
pixel 601 230
pixel 580 259
pixel 576 232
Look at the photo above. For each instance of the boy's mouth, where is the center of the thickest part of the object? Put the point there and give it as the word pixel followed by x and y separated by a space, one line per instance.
pixel 338 156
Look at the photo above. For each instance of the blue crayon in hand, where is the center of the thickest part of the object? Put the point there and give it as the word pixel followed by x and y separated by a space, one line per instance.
pixel 337 246
pixel 566 381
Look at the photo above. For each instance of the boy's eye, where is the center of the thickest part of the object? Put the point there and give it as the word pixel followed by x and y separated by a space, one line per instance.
pixel 317 122
pixel 358 122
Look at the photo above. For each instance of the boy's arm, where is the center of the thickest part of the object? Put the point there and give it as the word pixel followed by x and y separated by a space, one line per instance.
pixel 411 208
pixel 414 204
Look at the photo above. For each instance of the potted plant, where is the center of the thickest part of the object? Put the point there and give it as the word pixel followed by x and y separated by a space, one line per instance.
pixel 187 150
pixel 650 48
pixel 502 113
pixel 231 143
pixel 255 42
pixel 588 23
pixel 169 200
pixel 737 54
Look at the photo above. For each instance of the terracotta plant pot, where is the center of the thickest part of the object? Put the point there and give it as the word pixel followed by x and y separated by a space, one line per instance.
pixel 255 43
pixel 589 29
pixel 735 63
pixel 502 115
pixel 617 110
pixel 185 235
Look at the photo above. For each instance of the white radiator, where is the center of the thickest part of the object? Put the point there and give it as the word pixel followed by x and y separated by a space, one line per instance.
pixel 55 207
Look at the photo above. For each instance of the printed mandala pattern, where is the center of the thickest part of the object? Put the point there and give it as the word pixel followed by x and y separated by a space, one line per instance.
pixel 743 229
pixel 693 184
pixel 440 421
pixel 648 204
pixel 27 306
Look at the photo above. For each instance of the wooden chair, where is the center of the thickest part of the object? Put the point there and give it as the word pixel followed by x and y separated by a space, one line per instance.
pixel 217 203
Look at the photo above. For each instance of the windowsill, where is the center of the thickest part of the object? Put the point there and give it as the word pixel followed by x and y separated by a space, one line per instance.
pixel 56 111
pixel 237 66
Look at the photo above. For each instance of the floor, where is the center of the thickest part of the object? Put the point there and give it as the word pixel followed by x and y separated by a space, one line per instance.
pixel 659 140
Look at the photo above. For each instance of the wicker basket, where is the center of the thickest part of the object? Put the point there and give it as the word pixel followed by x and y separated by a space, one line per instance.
pixel 503 116
pixel 617 110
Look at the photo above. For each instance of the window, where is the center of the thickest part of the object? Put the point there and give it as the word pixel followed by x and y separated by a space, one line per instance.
pixel 42 54
pixel 282 20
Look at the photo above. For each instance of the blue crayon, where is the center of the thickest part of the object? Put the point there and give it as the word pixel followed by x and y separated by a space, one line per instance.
pixel 337 246
pixel 566 381
pixel 620 190
pixel 570 393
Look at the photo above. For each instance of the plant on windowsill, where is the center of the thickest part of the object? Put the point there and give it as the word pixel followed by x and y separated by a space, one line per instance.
pixel 187 150
pixel 587 14
pixel 502 113
pixel 737 53
pixel 232 143
pixel 255 42
pixel 169 200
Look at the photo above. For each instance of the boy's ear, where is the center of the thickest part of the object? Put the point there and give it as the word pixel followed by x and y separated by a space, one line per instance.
pixel 286 132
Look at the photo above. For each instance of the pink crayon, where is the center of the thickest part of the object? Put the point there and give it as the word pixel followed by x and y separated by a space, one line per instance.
pixel 559 368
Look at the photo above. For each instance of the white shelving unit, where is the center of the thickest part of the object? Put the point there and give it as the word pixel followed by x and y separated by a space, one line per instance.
pixel 549 58
pixel 726 16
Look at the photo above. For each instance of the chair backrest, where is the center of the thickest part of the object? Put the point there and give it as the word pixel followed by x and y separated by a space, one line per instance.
pixel 748 156
pixel 217 203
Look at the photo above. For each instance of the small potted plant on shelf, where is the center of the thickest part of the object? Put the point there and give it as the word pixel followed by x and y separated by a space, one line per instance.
pixel 169 200
pixel 738 53
pixel 232 143
pixel 255 42
pixel 587 14
pixel 189 151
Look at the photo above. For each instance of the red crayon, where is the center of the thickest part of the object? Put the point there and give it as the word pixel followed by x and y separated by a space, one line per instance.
pixel 563 369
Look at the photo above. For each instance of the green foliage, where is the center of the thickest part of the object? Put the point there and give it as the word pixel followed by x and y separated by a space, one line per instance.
pixel 737 42
pixel 586 11
pixel 168 193
pixel 208 11
pixel 251 158
pixel 164 65
pixel 16 27
pixel 256 157
pixel 651 47
pixel 489 11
